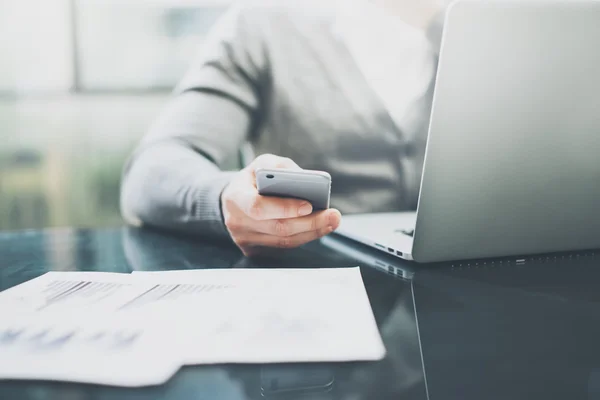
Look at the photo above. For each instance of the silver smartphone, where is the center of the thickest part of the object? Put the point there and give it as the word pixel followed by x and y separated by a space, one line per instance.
pixel 309 185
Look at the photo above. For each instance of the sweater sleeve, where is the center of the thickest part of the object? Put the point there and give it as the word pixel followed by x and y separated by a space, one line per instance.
pixel 174 177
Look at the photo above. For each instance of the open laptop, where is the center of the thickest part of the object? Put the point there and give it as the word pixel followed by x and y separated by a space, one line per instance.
pixel 512 165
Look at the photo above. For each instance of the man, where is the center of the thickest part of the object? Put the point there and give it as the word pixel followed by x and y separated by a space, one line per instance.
pixel 343 87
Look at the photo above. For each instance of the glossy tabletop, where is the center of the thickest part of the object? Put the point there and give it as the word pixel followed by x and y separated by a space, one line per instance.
pixel 493 329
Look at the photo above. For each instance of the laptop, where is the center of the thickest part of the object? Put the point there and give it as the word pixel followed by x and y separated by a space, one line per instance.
pixel 512 164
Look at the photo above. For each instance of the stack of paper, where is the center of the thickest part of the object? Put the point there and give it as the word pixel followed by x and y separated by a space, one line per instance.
pixel 138 329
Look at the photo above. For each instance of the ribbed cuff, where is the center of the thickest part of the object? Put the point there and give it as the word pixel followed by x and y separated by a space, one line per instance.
pixel 206 207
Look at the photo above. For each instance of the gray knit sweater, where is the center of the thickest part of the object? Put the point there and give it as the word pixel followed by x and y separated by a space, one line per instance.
pixel 275 76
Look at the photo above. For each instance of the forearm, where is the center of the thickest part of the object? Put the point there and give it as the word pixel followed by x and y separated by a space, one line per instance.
pixel 174 178
pixel 169 185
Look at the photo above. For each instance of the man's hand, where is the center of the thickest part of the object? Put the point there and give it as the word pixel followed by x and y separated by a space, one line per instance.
pixel 256 221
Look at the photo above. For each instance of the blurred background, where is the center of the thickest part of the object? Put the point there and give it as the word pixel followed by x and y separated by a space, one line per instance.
pixel 80 82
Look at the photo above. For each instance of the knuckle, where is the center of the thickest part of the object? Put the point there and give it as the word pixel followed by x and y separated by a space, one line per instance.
pixel 284 243
pixel 321 232
pixel 314 224
pixel 281 228
pixel 286 209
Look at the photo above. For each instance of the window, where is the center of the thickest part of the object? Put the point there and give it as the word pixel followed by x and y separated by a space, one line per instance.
pixel 139 45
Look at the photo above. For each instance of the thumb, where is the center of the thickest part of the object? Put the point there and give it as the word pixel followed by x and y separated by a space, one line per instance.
pixel 273 161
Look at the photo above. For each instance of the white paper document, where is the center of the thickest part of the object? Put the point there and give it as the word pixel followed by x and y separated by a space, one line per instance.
pixel 103 352
pixel 70 292
pixel 276 315
pixel 138 329
pixel 74 326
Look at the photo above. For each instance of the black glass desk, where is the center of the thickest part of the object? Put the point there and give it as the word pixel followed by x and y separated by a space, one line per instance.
pixel 474 330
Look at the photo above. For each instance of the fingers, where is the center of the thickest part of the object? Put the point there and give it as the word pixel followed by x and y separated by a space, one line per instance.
pixel 310 228
pixel 261 208
pixel 294 226
pixel 255 222
pixel 247 243
pixel 286 227
pixel 273 161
